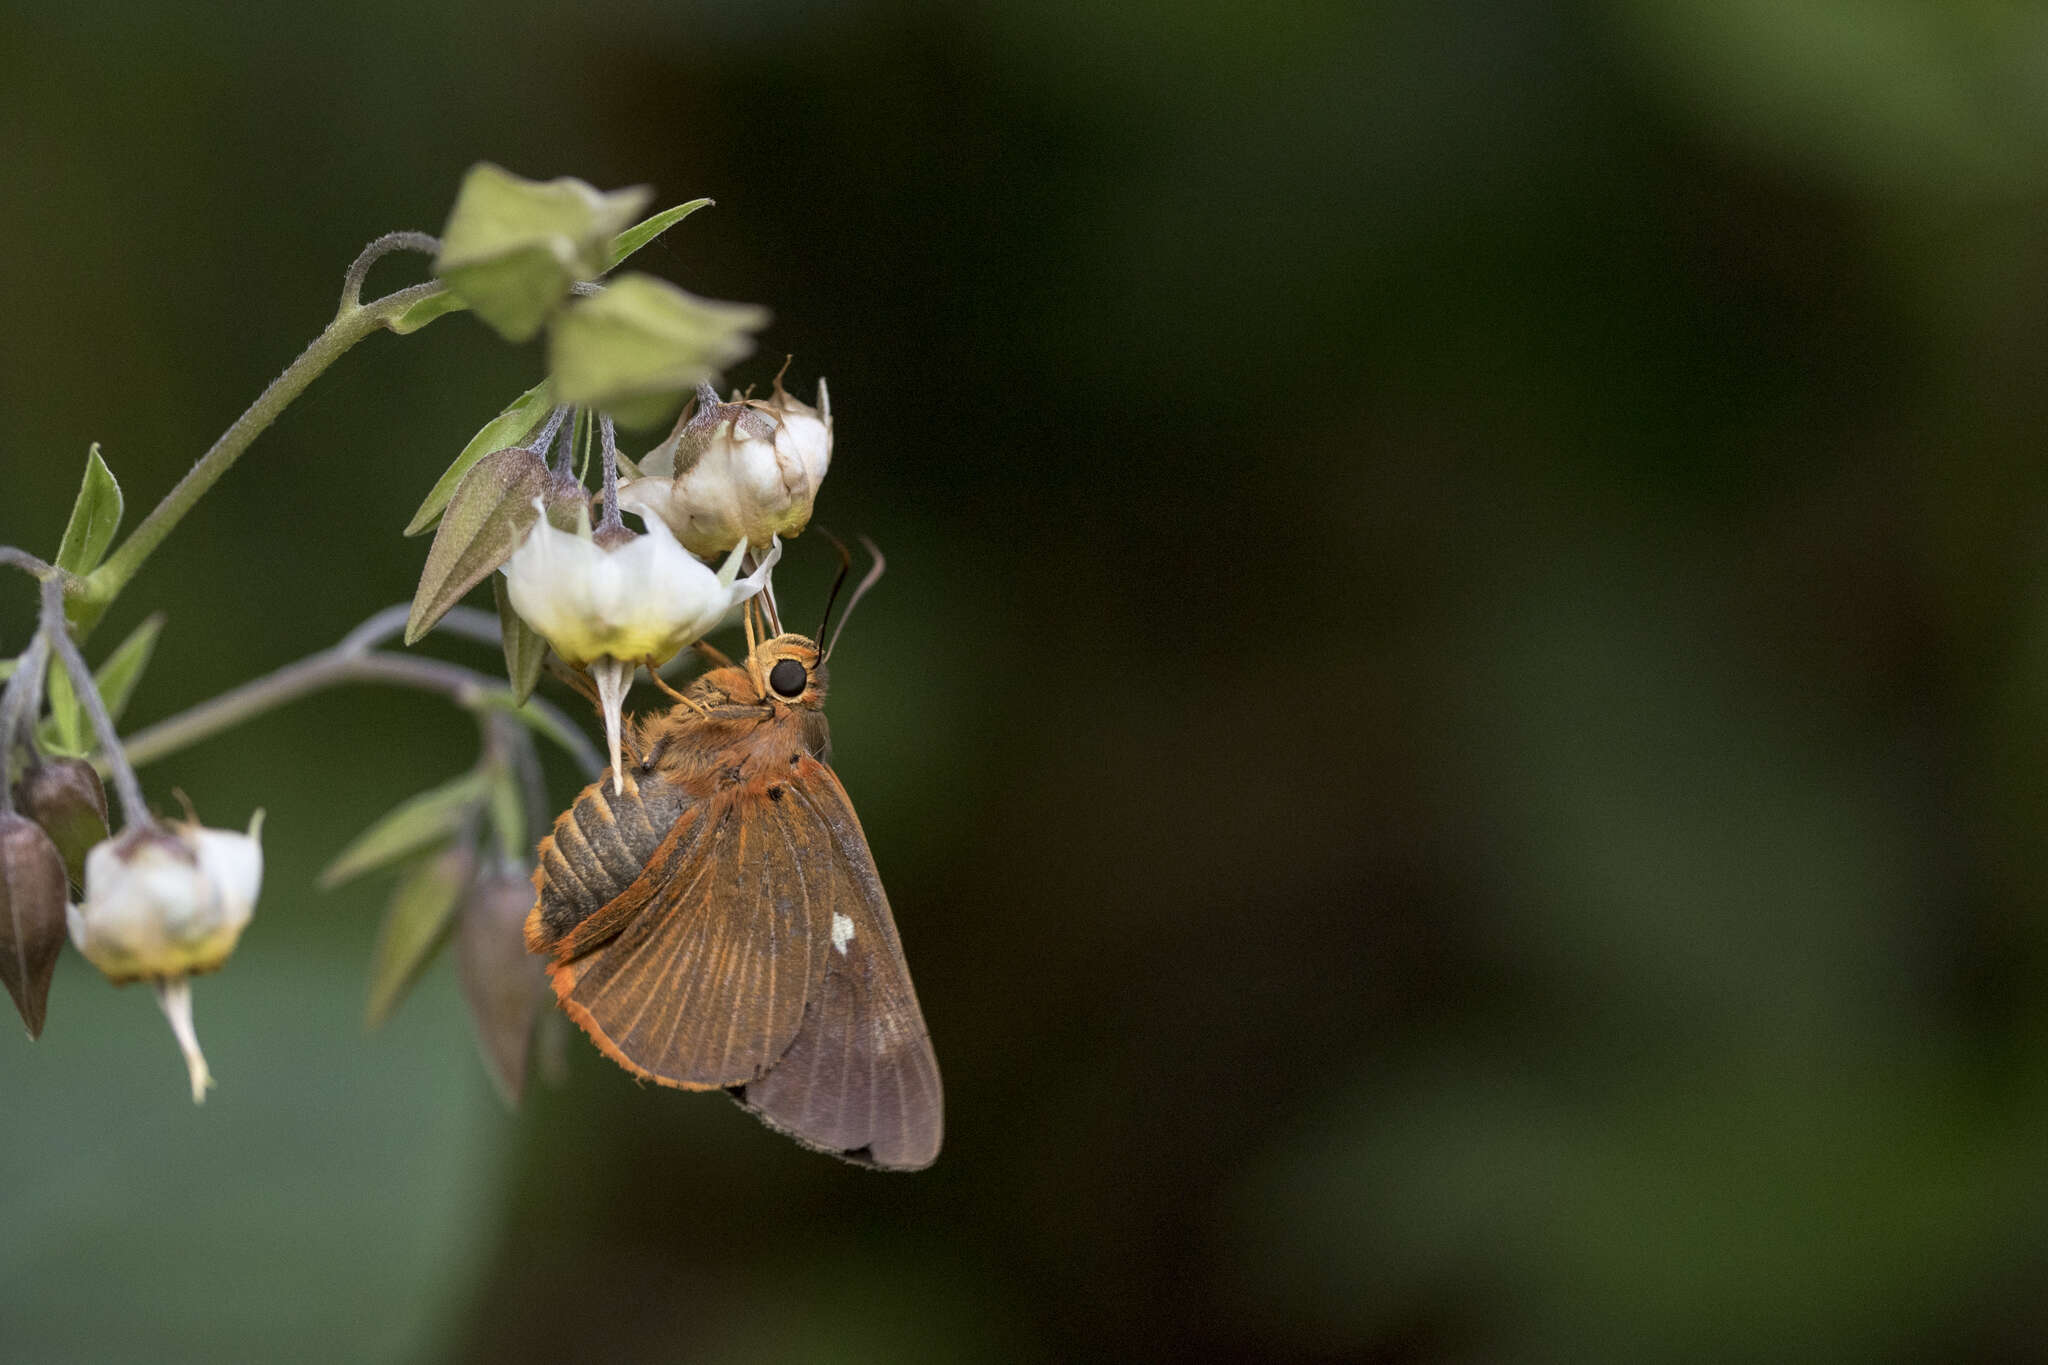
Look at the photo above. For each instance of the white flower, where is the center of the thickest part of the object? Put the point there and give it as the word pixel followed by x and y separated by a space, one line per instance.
pixel 167 902
pixel 645 598
pixel 737 472
pixel 163 903
pixel 610 606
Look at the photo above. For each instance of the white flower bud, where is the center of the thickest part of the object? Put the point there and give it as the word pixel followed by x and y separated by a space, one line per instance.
pixel 737 472
pixel 167 902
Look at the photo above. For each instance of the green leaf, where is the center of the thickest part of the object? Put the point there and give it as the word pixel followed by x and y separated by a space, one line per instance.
pixel 491 512
pixel 513 247
pixel 425 311
pixel 641 233
pixel 512 424
pixel 525 649
pixel 636 348
pixel 7 667
pixel 118 676
pixel 407 828
pixel 63 730
pixel 420 911
pixel 94 517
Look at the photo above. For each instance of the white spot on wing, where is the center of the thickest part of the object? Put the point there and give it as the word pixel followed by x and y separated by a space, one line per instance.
pixel 842 932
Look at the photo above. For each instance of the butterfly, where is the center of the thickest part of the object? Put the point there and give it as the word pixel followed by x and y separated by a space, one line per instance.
pixel 718 924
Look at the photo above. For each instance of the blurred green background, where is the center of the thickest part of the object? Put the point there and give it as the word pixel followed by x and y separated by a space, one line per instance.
pixel 1457 729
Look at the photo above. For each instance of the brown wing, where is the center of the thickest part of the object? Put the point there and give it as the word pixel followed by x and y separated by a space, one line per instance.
pixel 860 1080
pixel 696 975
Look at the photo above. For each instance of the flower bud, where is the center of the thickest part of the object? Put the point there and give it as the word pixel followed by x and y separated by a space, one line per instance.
pixel 501 981
pixel 167 902
pixel 65 797
pixel 31 915
pixel 733 472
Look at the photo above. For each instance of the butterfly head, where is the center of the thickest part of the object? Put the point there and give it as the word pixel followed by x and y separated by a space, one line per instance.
pixel 787 669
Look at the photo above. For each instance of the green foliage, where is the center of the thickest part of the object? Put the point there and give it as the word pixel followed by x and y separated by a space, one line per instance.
pixel 408 827
pixel 95 516
pixel 490 513
pixel 525 650
pixel 516 421
pixel 65 730
pixel 421 909
pixel 645 231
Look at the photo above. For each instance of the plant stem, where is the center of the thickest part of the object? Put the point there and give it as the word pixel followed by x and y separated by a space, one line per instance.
pixel 134 811
pixel 609 440
pixel 352 283
pixel 91 595
pixel 24 561
pixel 19 704
pixel 355 660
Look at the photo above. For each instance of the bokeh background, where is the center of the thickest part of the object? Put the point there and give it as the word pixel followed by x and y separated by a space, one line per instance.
pixel 1457 729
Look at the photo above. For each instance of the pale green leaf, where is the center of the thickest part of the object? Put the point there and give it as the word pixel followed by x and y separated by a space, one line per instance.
pixel 118 676
pixel 511 425
pixel 407 828
pixel 425 311
pixel 421 909
pixel 63 730
pixel 640 234
pixel 95 516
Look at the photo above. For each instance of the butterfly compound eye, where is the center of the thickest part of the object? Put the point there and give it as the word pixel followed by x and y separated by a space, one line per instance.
pixel 788 678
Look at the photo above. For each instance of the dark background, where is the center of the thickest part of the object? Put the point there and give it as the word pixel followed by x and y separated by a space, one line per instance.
pixel 1456 730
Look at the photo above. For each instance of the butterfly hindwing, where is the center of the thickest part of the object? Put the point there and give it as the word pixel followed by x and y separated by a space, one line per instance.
pixel 859 1080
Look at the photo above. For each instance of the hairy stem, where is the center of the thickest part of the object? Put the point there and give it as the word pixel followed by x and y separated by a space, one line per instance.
pixel 24 561
pixel 93 594
pixel 609 438
pixel 355 660
pixel 134 811
pixel 18 707
pixel 352 283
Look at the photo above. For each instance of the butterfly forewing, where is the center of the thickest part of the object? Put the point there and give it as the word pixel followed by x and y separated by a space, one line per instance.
pixel 705 983
pixel 860 1079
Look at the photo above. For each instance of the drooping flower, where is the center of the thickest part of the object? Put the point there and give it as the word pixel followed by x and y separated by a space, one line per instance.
pixel 745 471
pixel 164 902
pixel 610 601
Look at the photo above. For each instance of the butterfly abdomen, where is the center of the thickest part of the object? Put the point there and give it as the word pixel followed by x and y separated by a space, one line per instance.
pixel 598 847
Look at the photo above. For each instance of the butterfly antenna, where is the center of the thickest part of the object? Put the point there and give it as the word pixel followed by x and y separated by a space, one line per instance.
pixel 839 580
pixel 867 581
